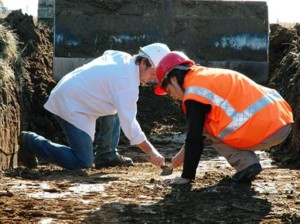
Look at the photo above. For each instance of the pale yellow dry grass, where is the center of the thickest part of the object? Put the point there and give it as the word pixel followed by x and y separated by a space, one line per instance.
pixel 8 45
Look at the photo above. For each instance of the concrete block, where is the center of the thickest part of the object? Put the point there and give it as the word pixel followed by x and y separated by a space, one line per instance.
pixel 229 34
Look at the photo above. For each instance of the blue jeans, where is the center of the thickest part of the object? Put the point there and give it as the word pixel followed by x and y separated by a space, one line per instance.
pixel 78 155
pixel 107 138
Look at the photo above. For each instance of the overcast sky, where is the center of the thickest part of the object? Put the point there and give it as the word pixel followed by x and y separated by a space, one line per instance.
pixel 279 10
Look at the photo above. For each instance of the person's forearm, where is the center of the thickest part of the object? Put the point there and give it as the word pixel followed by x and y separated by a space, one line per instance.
pixel 146 147
pixel 177 160
pixel 193 151
pixel 196 115
pixel 155 157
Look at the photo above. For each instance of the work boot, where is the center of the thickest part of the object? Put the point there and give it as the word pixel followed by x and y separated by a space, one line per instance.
pixel 248 174
pixel 25 157
pixel 118 160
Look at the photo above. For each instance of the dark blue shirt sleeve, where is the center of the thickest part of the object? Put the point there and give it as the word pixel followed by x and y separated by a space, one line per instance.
pixel 195 114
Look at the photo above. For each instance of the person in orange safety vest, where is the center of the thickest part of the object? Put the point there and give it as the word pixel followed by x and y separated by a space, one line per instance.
pixel 238 115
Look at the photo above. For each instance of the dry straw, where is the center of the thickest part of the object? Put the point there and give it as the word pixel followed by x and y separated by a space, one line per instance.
pixel 8 45
pixel 5 70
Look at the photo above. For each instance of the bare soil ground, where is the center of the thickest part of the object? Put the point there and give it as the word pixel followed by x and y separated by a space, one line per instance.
pixel 135 194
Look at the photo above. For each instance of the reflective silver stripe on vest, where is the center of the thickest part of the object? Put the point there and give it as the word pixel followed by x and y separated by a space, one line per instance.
pixel 238 119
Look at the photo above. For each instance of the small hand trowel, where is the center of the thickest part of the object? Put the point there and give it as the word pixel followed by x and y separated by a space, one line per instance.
pixel 166 170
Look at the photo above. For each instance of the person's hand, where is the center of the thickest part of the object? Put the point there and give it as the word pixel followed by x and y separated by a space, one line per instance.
pixel 176 180
pixel 177 160
pixel 156 158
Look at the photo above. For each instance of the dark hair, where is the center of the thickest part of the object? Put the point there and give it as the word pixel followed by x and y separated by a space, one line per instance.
pixel 178 73
pixel 139 59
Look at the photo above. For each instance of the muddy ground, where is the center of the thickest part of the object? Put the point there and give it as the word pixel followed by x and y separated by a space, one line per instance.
pixel 135 194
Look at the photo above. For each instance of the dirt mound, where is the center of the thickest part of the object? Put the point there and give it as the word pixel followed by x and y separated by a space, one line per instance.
pixel 9 106
pixel 285 77
pixel 35 44
pixel 159 115
pixel 28 53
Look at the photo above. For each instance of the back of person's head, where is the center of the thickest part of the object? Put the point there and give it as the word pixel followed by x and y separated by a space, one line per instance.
pixel 154 52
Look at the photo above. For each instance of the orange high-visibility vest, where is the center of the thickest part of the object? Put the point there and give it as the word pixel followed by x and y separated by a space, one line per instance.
pixel 243 113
